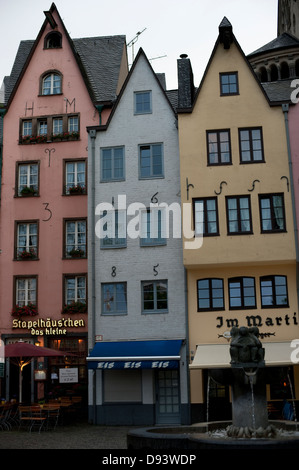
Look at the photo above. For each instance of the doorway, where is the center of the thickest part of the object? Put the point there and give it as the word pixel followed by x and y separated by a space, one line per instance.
pixel 168 397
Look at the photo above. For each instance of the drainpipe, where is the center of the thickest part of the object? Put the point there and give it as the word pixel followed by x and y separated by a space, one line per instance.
pixel 100 108
pixel 92 329
pixel 2 113
pixel 285 110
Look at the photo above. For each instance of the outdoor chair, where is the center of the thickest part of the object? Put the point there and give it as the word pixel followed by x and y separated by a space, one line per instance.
pixel 52 413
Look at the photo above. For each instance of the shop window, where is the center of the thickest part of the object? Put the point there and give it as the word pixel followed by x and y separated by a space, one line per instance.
pixel 122 386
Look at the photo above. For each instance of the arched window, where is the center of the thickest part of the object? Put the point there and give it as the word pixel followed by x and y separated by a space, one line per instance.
pixel 284 70
pixel 263 74
pixel 51 84
pixel 274 73
pixel 53 40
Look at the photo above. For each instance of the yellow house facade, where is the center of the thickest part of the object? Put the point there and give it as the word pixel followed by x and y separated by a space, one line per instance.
pixel 235 179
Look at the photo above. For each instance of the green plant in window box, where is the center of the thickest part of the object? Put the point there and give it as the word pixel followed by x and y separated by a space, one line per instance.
pixel 74 307
pixel 28 191
pixel 76 253
pixel 57 137
pixel 26 310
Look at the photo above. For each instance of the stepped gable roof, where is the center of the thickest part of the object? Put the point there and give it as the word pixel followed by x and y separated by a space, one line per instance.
pixel 284 41
pixel 98 58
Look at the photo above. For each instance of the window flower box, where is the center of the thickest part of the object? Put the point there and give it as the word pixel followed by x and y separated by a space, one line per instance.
pixel 76 253
pixel 27 254
pixel 41 139
pixel 28 191
pixel 77 189
pixel 74 307
pixel 26 310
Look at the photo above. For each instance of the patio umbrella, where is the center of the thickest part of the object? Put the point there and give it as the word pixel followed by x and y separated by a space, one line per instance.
pixel 21 354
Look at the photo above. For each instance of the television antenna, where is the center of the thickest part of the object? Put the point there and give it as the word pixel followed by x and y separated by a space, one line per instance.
pixel 133 41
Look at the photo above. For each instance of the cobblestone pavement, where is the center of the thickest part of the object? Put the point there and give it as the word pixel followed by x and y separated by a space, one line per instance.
pixel 72 436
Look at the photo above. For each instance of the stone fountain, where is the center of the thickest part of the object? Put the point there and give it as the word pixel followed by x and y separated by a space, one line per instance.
pixel 250 427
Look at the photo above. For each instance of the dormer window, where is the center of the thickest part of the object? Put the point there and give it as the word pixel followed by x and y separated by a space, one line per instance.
pixel 53 41
pixel 51 84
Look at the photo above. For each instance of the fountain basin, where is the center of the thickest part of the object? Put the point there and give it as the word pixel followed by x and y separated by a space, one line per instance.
pixel 200 437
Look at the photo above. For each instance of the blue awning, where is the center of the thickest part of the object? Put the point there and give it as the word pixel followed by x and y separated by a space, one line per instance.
pixel 160 354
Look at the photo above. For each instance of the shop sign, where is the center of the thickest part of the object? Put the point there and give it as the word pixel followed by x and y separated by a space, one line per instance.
pixel 138 365
pixel 48 326
pixel 69 375
pixel 258 321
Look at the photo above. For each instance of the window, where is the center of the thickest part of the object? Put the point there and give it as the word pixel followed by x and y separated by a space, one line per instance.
pixel 153 228
pixel 238 215
pixel 73 124
pixel 272 213
pixel 75 177
pixel 53 41
pixel 242 293
pixel 51 84
pixel 219 149
pixel 57 126
pixel 154 297
pixel 42 127
pixel 27 240
pixel 274 291
pixel 113 229
pixel 229 84
pixel 27 128
pixel 112 164
pixel 75 239
pixel 75 289
pixel 26 292
pixel 251 145
pixel 210 294
pixel 151 161
pixel 206 216
pixel 143 102
pixel 114 298
pixel 27 179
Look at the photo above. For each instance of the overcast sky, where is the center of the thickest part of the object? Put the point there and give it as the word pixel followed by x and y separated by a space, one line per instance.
pixel 170 27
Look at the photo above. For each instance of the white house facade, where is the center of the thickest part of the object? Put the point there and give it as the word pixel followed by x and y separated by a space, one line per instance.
pixel 138 371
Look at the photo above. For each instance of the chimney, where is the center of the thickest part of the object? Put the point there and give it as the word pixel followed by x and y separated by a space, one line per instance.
pixel 185 83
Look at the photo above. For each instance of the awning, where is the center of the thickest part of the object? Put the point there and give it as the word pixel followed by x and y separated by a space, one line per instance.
pixel 135 355
pixel 217 356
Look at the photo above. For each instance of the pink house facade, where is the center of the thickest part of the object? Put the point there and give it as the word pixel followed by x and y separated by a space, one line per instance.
pixel 51 98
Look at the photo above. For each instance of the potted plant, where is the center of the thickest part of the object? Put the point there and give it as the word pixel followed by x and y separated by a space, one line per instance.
pixel 78 189
pixel 26 310
pixel 28 191
pixel 77 253
pixel 27 254
pixel 74 307
pixel 40 139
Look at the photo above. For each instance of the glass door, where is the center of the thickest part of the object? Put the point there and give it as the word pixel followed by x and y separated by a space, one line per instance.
pixel 168 397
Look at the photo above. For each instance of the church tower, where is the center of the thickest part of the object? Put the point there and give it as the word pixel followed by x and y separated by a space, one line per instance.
pixel 288 17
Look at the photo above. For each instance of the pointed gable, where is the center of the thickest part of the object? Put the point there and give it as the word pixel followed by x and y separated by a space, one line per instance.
pixel 101 60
